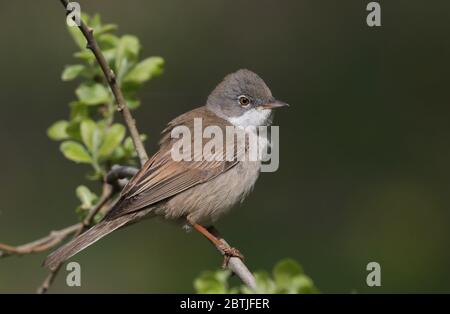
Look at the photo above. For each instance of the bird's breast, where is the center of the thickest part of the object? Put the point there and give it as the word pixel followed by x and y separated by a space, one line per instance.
pixel 207 202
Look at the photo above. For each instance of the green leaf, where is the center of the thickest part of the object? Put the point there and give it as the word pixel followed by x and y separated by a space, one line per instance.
pixel 285 270
pixel 133 103
pixel 97 218
pixel 145 70
pixel 72 71
pixel 95 22
pixel 85 55
pixel 108 41
pixel 127 52
pixel 211 282
pixel 106 28
pixel 302 284
pixel 93 94
pixel 217 282
pixel 128 144
pixel 91 135
pixel 113 137
pixel 109 54
pixel 77 36
pixel 118 154
pixel 86 197
pixel 78 111
pixel 86 18
pixel 73 129
pixel 264 283
pixel 58 130
pixel 75 151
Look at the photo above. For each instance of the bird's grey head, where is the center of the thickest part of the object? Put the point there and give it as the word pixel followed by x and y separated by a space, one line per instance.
pixel 243 99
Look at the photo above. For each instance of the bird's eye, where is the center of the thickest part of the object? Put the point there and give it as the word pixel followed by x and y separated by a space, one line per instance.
pixel 244 101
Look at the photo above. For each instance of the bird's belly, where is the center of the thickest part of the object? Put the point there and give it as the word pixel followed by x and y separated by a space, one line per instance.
pixel 207 202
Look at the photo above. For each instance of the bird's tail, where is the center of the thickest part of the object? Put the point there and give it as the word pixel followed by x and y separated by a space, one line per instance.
pixel 84 240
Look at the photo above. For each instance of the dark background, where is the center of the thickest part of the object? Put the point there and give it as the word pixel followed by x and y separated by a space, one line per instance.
pixel 364 163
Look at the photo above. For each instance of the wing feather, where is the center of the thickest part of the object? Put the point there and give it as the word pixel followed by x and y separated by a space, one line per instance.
pixel 162 177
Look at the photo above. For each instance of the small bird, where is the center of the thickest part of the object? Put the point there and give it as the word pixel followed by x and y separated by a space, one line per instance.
pixel 195 193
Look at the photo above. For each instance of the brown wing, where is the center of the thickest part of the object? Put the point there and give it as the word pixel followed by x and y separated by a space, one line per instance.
pixel 162 177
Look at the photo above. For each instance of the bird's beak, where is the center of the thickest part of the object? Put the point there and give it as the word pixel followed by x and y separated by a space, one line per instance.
pixel 274 104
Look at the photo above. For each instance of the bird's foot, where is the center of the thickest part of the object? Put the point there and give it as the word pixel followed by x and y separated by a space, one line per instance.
pixel 229 252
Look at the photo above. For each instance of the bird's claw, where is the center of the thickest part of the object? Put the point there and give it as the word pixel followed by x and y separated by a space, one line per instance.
pixel 229 252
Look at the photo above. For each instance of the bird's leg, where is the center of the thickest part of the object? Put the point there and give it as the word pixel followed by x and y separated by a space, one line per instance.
pixel 227 251
pixel 231 250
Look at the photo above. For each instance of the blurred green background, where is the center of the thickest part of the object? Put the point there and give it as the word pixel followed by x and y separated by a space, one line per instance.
pixel 364 172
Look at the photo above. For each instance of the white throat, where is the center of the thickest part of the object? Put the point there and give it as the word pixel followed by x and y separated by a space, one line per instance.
pixel 250 121
pixel 252 117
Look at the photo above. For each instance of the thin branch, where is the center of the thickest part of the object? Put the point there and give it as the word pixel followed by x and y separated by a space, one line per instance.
pixel 119 173
pixel 111 79
pixel 56 237
pixel 43 244
pixel 235 264
pixel 130 122
pixel 106 196
pixel 48 281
